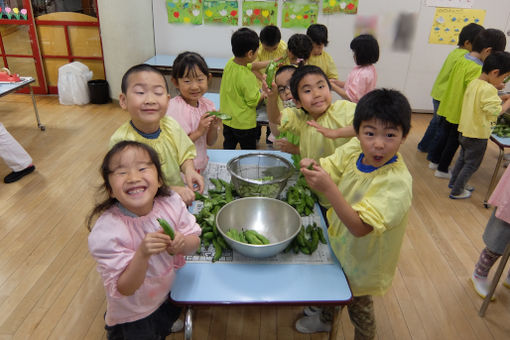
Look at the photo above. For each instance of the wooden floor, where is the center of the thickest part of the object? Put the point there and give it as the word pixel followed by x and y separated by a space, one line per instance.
pixel 49 287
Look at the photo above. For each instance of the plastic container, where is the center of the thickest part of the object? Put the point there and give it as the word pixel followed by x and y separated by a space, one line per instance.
pixel 99 91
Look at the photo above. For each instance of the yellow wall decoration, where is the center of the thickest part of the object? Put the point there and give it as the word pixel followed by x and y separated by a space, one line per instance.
pixel 448 22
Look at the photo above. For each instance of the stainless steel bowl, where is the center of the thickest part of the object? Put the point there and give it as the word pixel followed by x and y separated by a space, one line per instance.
pixel 259 174
pixel 274 219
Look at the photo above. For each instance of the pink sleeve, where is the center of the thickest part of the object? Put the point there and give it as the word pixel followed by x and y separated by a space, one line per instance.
pixel 361 82
pixel 501 197
pixel 108 245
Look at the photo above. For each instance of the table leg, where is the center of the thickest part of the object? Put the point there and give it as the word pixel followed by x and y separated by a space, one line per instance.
pixel 188 323
pixel 494 177
pixel 502 262
pixel 333 334
pixel 39 125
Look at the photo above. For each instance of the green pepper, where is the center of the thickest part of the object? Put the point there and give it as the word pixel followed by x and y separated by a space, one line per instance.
pixel 217 250
pixel 166 227
pixel 270 73
pixel 220 115
pixel 321 236
pixel 252 239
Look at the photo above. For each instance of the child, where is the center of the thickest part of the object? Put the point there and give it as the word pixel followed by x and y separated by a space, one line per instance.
pixel 145 96
pixel 135 258
pixel 311 91
pixel 363 77
pixel 287 142
pixel 240 92
pixel 271 48
pixel 14 156
pixel 465 69
pixel 318 33
pixel 466 37
pixel 299 49
pixel 370 190
pixel 480 108
pixel 496 236
pixel 190 75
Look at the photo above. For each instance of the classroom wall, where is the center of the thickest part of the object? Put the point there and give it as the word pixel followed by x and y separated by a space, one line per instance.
pixel 412 72
pixel 127 35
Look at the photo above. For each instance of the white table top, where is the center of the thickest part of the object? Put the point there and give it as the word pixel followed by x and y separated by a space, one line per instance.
pixel 244 283
pixel 6 88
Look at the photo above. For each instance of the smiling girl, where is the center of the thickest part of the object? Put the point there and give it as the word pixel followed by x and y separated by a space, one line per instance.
pixel 133 254
pixel 190 75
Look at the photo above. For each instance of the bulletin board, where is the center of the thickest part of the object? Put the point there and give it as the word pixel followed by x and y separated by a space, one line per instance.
pixel 411 69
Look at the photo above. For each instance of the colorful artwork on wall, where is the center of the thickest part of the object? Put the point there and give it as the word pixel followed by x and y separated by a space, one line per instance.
pixel 448 23
pixel 184 11
pixel 340 6
pixel 221 12
pixel 260 13
pixel 299 13
pixel 13 13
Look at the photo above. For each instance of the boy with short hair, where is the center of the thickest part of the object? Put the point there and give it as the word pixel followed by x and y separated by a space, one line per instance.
pixel 240 92
pixel 464 71
pixel 311 91
pixel 370 191
pixel 145 96
pixel 318 33
pixel 465 45
pixel 272 48
pixel 480 108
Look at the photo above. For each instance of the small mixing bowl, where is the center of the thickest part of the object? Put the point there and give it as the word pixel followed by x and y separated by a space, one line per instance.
pixel 259 174
pixel 274 219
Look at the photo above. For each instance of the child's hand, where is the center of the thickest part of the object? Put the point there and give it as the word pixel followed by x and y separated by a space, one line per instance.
pixel 337 82
pixel 154 243
pixel 187 195
pixel 328 133
pixel 286 146
pixel 317 179
pixel 177 245
pixel 204 124
pixel 194 181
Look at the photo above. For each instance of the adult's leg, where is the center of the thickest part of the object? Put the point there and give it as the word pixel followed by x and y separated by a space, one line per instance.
pixel 229 138
pixel 428 140
pixel 474 150
pixel 452 143
pixel 12 152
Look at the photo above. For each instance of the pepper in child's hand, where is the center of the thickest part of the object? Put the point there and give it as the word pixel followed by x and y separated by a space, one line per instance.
pixel 166 227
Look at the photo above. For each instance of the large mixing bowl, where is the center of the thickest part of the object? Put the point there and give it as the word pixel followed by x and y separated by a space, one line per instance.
pixel 259 174
pixel 274 219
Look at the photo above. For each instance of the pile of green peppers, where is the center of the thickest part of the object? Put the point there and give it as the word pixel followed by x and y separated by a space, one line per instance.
pixel 222 194
pixel 264 190
pixel 307 240
pixel 301 197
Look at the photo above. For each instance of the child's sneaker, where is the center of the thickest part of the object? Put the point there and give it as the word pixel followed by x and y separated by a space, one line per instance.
pixel 433 166
pixel 465 194
pixel 467 187
pixel 177 326
pixel 506 283
pixel 441 174
pixel 311 310
pixel 481 286
pixel 312 324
